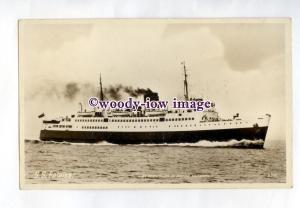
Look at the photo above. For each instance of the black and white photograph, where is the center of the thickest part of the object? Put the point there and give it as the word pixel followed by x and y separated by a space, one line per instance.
pixel 155 103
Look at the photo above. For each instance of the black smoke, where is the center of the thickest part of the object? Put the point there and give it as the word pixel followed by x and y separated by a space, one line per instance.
pixel 71 90
pixel 117 91
pixel 76 90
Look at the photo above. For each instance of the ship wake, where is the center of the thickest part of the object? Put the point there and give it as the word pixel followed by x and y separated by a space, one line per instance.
pixel 244 143
pixel 35 141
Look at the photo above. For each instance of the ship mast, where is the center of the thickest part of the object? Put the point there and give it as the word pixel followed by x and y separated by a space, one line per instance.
pixel 186 91
pixel 101 97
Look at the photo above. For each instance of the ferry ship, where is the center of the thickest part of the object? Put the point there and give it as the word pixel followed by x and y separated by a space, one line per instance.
pixel 145 126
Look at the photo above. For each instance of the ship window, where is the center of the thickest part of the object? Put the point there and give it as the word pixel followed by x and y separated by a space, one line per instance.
pixel 176 119
pixel 193 118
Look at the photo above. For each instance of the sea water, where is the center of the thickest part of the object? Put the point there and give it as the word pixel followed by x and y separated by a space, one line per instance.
pixel 202 162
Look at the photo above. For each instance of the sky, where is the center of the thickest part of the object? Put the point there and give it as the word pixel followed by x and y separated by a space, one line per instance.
pixel 240 66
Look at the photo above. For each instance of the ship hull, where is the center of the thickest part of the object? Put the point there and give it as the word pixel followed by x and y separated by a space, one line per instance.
pixel 220 135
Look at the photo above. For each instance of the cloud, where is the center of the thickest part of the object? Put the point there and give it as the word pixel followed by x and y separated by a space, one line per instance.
pixel 48 36
pixel 246 46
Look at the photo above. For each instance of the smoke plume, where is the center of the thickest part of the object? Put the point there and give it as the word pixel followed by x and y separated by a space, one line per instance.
pixel 71 90
pixel 74 90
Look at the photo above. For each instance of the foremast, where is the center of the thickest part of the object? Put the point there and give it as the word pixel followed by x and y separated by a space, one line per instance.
pixel 186 91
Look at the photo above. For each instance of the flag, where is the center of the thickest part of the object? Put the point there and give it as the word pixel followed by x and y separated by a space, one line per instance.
pixel 42 115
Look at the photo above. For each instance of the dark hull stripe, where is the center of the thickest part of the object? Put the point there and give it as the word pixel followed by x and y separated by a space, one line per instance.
pixel 258 133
